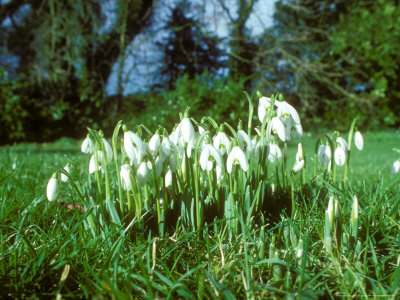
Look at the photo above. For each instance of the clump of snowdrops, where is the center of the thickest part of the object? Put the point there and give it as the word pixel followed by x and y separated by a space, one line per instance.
pixel 203 172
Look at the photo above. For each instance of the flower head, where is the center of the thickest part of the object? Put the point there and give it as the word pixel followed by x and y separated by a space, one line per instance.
pixel 87 145
pixel 67 168
pixel 237 157
pixel 125 174
pixel 52 188
pixel 358 140
pixel 340 156
pixel 222 142
pixel 154 144
pixel 264 106
pixel 395 167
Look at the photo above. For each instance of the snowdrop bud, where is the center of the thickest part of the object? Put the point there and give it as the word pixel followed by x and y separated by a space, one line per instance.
pixel 395 167
pixel 143 172
pixel 67 168
pixel 340 156
pixel 125 177
pixel 154 144
pixel 358 140
pixel 300 248
pixel 331 212
pixel 298 166
pixel 187 129
pixel 300 153
pixel 52 188
pixel 109 151
pixel 237 156
pixel 87 145
pixel 168 178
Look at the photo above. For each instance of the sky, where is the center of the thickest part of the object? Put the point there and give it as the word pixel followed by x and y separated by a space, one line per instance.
pixel 144 57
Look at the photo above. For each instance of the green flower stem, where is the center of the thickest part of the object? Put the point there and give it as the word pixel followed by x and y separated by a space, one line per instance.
pixel 146 197
pixel 292 196
pixel 117 166
pixel 349 142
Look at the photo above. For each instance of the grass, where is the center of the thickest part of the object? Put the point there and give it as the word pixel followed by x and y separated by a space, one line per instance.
pixel 47 251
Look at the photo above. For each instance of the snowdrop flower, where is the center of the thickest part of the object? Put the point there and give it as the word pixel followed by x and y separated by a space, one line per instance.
pixel 87 145
pixel 109 151
pixel 274 153
pixel 340 156
pixel 324 154
pixel 201 129
pixel 299 159
pixel 277 127
pixel 186 129
pixel 293 130
pixel 154 144
pixel 298 166
pixel 95 165
pixel 244 139
pixel 125 174
pixel 67 168
pixel 222 142
pixel 237 157
pixel 264 106
pixel 395 167
pixel 166 146
pixel 342 143
pixel 134 147
pixel 208 155
pixel 358 140
pixel 286 112
pixel 52 188
pixel 143 172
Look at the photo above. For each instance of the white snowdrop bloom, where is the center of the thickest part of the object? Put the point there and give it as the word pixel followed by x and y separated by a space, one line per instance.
pixel 237 157
pixel 201 129
pixel 244 139
pixel 52 188
pixel 395 167
pixel 300 153
pixel 274 153
pixel 166 146
pixel 340 156
pixel 67 168
pixel 125 175
pixel 134 147
pixel 168 178
pixel 221 142
pixel 264 106
pixel 277 127
pixel 186 130
pixel 358 140
pixel 324 154
pixel 109 151
pixel 293 130
pixel 342 143
pixel 286 111
pixel 154 144
pixel 208 155
pixel 298 166
pixel 87 145
pixel 95 165
pixel 143 172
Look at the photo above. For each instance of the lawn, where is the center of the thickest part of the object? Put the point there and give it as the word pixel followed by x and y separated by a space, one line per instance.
pixel 47 250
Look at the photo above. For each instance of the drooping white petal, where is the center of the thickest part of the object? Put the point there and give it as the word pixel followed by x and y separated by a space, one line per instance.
pixel 221 142
pixel 52 188
pixel 264 105
pixel 64 178
pixel 395 167
pixel 109 151
pixel 324 154
pixel 125 175
pixel 278 128
pixel 236 156
pixel 343 144
pixel 95 165
pixel 142 173
pixel 87 145
pixel 166 146
pixel 244 139
pixel 285 110
pixel 187 129
pixel 154 144
pixel 168 178
pixel 134 147
pixel 298 166
pixel 358 140
pixel 340 156
pixel 274 153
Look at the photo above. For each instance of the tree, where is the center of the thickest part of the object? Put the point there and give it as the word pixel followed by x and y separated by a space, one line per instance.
pixel 188 49
pixel 66 51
